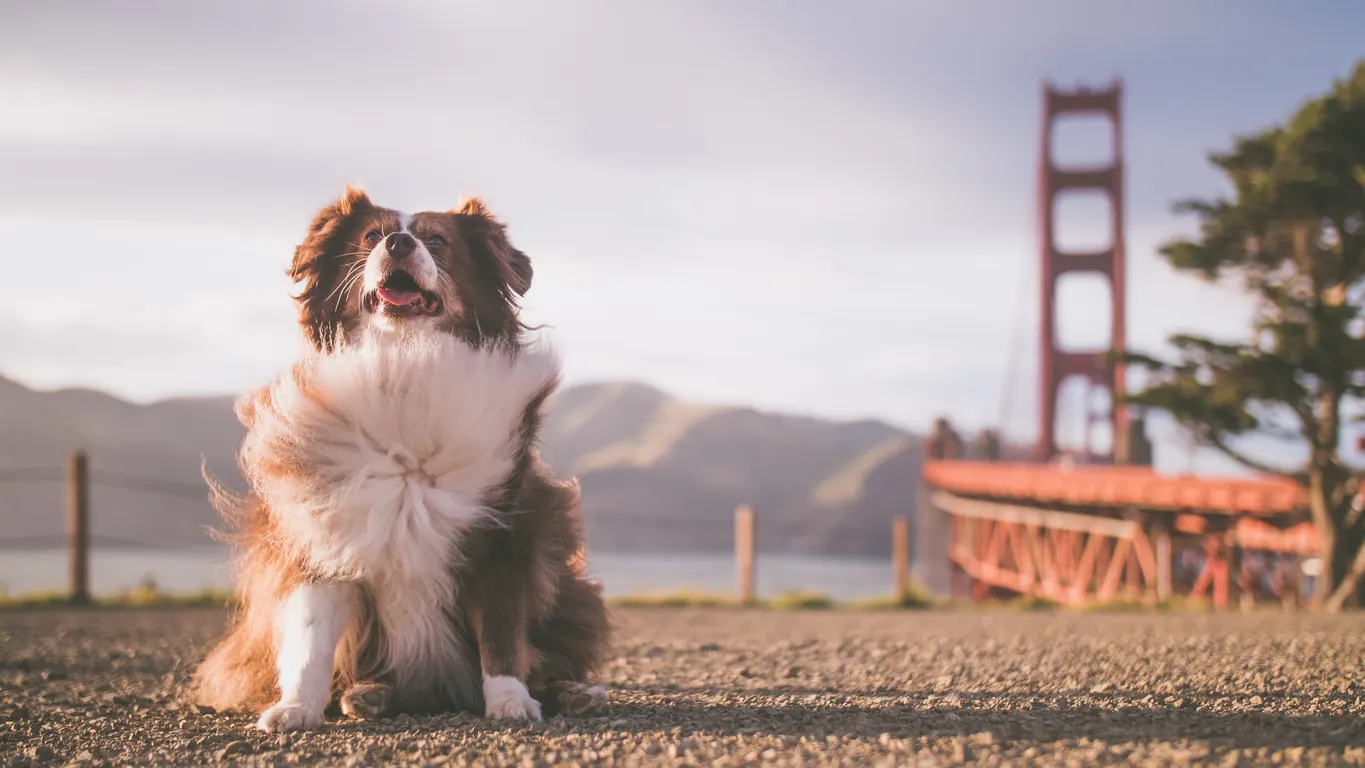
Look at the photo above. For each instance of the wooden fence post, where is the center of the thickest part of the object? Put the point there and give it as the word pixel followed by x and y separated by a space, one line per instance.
pixel 744 552
pixel 78 525
pixel 900 556
pixel 1161 539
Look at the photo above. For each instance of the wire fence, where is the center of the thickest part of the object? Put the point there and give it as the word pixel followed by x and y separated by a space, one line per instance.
pixel 96 478
pixel 52 541
pixel 32 474
pixel 627 530
pixel 596 515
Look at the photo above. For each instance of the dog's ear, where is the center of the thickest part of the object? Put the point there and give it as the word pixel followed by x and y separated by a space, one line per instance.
pixel 318 263
pixel 487 238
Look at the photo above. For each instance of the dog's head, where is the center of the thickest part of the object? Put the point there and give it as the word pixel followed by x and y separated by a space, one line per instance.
pixel 366 267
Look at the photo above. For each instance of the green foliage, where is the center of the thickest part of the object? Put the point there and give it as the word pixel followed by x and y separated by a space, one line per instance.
pixel 799 600
pixel 916 598
pixel 794 600
pixel 145 596
pixel 140 597
pixel 1292 234
pixel 44 599
pixel 680 599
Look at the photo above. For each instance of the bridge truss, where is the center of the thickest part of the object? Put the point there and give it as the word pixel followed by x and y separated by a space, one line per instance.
pixel 1097 534
pixel 1100 525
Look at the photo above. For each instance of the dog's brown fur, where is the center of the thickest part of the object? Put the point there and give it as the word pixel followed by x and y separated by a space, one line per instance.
pixel 523 599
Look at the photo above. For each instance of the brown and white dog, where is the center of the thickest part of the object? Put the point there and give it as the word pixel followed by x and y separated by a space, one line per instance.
pixel 403 548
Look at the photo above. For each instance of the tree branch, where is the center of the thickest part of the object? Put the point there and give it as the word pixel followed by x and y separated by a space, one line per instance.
pixel 1347 588
pixel 1245 460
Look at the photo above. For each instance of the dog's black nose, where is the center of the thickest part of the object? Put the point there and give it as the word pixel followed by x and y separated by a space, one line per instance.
pixel 400 244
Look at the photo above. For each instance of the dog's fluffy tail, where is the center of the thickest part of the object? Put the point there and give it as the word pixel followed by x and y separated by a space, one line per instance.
pixel 240 672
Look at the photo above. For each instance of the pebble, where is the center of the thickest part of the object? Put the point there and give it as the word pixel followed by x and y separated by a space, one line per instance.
pixel 731 687
pixel 234 748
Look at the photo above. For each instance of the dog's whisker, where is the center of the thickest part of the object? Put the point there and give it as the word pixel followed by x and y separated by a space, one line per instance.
pixel 340 291
pixel 353 273
pixel 351 270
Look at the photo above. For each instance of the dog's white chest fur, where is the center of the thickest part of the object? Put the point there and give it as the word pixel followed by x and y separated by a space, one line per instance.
pixel 377 459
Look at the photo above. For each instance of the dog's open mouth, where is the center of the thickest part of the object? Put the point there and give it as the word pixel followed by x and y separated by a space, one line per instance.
pixel 401 296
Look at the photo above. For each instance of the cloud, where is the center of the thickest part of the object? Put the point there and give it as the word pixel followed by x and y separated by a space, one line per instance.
pixel 817 209
pixel 141 355
pixel 466 92
pixel 93 343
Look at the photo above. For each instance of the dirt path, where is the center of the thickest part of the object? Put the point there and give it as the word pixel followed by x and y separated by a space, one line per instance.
pixel 694 686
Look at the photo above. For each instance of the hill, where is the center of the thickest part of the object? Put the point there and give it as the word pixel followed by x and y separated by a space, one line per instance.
pixel 658 473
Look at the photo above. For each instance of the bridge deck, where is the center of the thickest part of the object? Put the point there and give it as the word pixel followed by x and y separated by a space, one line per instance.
pixel 1117 487
pixel 1089 534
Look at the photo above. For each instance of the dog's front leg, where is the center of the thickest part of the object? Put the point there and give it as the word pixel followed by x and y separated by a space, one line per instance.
pixel 504 654
pixel 308 626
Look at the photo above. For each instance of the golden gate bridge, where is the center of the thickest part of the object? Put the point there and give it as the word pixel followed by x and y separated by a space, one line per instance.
pixel 1097 525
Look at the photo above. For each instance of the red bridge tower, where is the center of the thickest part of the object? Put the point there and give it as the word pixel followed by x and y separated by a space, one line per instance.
pixel 1058 365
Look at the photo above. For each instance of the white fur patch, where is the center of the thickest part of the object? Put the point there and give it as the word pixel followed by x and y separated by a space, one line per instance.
pixel 392 444
pixel 506 698
pixel 308 627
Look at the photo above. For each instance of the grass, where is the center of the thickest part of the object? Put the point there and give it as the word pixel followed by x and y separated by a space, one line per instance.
pixel 687 598
pixel 1024 603
pixel 787 601
pixel 145 595
pixel 148 595
pixel 914 598
pixel 1180 604
pixel 910 602
pixel 795 600
pixel 128 599
pixel 798 600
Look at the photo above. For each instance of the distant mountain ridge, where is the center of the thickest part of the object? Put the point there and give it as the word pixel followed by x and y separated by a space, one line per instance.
pixel 658 473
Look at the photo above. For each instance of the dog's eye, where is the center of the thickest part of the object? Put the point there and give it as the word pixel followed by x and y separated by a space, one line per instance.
pixel 372 236
pixel 435 240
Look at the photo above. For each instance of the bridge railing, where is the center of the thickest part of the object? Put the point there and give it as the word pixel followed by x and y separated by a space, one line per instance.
pixel 1095 534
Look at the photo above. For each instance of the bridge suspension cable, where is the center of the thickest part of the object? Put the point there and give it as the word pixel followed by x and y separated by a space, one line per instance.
pixel 1010 381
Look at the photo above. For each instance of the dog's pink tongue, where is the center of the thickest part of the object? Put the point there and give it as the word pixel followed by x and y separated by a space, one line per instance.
pixel 399 298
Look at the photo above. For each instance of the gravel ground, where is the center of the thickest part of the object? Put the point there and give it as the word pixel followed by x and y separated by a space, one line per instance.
pixel 739 687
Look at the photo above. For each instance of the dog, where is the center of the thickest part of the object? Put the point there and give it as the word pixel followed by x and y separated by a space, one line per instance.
pixel 403 548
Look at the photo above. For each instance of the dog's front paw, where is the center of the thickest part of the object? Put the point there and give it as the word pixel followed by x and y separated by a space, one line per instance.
pixel 366 701
pixel 578 699
pixel 290 716
pixel 506 698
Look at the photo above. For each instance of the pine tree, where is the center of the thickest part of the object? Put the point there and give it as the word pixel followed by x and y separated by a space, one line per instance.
pixel 1292 233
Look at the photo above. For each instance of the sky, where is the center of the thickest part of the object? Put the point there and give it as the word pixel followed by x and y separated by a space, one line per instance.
pixel 791 205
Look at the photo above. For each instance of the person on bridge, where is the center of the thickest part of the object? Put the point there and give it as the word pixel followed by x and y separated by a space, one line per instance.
pixel 987 446
pixel 943 442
